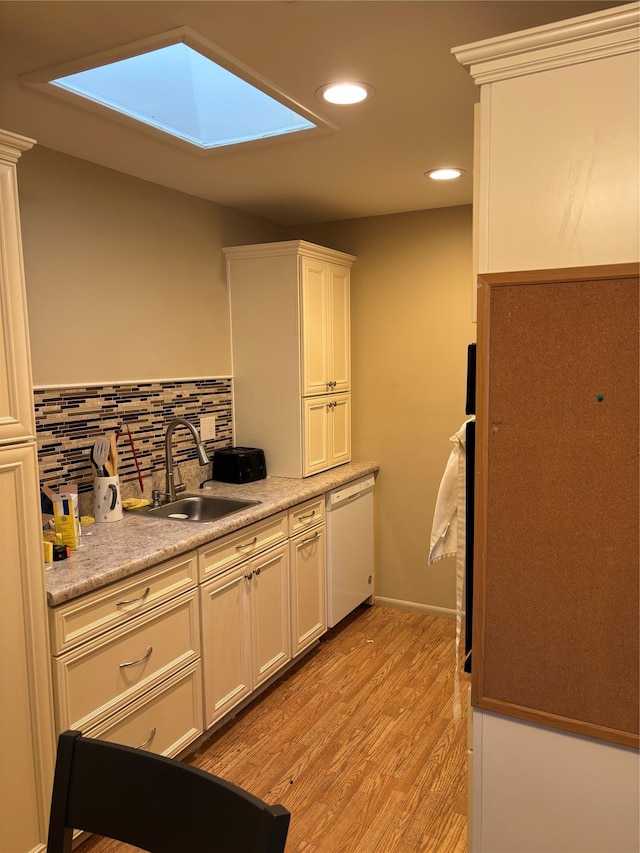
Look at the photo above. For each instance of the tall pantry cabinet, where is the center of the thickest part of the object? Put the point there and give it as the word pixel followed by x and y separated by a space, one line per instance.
pixel 557 201
pixel 290 331
pixel 27 737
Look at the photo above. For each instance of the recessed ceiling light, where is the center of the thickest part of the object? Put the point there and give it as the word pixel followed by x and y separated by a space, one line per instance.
pixel 344 93
pixel 444 174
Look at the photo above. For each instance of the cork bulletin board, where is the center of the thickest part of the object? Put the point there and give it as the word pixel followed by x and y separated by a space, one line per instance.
pixel 556 610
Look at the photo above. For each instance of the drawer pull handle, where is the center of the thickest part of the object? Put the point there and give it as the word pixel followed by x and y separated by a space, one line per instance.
pixel 247 544
pixel 148 740
pixel 311 538
pixel 124 601
pixel 144 658
pixel 307 515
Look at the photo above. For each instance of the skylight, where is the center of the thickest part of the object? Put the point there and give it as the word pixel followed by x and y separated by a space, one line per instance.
pixel 181 88
pixel 182 92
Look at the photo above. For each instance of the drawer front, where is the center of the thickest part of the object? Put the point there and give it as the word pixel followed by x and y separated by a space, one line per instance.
pixel 93 680
pixel 87 617
pixel 306 515
pixel 165 720
pixel 236 547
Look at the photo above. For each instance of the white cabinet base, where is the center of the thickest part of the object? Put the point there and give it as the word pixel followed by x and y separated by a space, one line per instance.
pixel 538 790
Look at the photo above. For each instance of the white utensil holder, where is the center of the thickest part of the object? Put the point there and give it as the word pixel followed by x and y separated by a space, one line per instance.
pixel 107 505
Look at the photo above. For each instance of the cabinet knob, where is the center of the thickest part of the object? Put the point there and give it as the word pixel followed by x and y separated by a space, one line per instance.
pixel 248 575
pixel 256 571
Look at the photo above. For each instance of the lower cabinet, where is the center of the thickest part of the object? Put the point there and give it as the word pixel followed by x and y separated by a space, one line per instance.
pixel 137 682
pixel 263 610
pixel 307 557
pixel 245 629
pixel 141 660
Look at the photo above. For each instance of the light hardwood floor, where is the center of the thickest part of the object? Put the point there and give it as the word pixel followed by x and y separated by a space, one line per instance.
pixel 357 741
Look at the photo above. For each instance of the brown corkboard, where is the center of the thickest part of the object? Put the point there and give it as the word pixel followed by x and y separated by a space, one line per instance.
pixel 557 496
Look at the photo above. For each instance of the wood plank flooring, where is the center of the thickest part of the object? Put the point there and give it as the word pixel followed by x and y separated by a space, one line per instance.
pixel 357 741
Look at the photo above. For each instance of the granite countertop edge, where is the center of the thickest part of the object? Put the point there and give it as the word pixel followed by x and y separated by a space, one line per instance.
pixel 111 552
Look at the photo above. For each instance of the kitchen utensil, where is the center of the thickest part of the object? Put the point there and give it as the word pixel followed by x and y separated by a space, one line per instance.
pixel 94 462
pixel 135 459
pixel 99 455
pixel 111 464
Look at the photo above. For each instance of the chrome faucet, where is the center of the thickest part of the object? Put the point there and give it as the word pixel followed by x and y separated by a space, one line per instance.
pixel 171 488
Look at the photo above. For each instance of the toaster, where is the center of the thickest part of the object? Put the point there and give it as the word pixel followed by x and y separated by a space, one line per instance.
pixel 239 465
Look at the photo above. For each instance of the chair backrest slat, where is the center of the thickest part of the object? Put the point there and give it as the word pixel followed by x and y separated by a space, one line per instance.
pixel 156 803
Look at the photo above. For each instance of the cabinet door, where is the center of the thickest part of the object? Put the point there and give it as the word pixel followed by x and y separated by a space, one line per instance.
pixel 339 328
pixel 270 622
pixel 26 718
pixel 327 432
pixel 339 425
pixel 226 642
pixel 17 419
pixel 313 326
pixel 308 588
pixel 316 435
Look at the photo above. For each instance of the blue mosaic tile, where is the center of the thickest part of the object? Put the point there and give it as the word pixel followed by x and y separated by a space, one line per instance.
pixel 68 420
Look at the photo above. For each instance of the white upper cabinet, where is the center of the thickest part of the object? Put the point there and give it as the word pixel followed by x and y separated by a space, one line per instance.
pixel 290 330
pixel 558 142
pixel 326 349
pixel 16 395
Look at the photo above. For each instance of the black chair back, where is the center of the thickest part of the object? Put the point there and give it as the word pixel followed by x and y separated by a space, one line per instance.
pixel 156 803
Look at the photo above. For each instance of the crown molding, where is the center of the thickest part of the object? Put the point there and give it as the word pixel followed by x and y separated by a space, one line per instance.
pixel 12 145
pixel 602 34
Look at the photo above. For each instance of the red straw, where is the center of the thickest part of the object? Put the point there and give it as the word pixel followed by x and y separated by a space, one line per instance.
pixel 135 459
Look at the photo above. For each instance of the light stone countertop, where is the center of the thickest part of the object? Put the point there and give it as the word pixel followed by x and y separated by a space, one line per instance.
pixel 112 551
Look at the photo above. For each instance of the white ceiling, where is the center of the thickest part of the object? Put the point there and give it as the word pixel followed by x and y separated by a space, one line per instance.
pixel 420 118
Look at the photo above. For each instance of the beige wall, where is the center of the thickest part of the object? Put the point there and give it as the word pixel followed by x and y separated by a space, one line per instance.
pixel 126 280
pixel 411 324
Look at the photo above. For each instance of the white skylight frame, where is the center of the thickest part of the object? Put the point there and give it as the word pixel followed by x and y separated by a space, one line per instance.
pixel 44 81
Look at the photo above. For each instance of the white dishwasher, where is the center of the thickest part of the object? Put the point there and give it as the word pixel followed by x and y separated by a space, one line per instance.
pixel 349 547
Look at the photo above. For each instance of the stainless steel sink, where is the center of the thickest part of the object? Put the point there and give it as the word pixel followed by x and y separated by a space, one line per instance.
pixel 199 508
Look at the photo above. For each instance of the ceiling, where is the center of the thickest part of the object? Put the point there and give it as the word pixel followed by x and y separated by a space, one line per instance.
pixel 420 118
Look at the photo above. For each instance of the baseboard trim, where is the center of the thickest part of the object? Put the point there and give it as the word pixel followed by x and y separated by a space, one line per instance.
pixel 415 607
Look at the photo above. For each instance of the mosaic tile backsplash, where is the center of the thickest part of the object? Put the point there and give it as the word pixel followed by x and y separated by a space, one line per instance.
pixel 68 420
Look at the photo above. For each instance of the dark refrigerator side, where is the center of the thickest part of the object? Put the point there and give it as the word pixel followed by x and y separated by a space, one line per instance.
pixel 470 446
